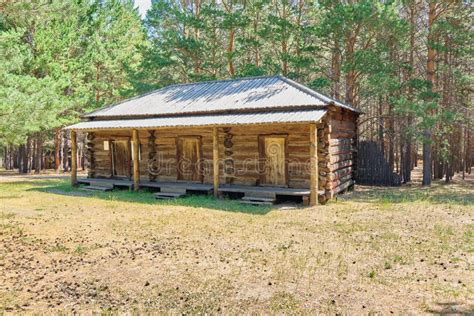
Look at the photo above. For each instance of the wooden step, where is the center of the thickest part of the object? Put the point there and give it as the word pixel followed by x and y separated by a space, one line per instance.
pixel 168 195
pixel 173 189
pixel 256 202
pixel 96 188
pixel 260 194
pixel 101 184
pixel 257 198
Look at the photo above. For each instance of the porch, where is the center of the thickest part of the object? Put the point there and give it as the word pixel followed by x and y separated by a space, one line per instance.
pixel 266 161
pixel 169 189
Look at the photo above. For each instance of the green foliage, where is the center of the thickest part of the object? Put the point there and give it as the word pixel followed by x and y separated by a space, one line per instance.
pixel 63 59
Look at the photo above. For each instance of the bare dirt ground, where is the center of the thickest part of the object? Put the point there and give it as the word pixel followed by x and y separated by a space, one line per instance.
pixel 376 250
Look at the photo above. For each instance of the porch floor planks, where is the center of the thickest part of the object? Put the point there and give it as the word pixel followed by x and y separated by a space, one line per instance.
pixel 248 189
pixel 114 182
pixel 276 190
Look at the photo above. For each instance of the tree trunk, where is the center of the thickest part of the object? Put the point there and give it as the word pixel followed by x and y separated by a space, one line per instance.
pixel 38 155
pixel 7 162
pixel 57 149
pixel 350 76
pixel 29 155
pixel 230 52
pixel 65 152
pixel 391 158
pixel 336 69
pixel 448 172
pixel 380 127
pixel 426 158
pixel 97 78
pixel 408 165
pixel 430 73
pixel 22 159
pixel 430 76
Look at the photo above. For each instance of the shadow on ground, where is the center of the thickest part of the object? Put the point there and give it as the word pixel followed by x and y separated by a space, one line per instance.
pixel 439 193
pixel 144 196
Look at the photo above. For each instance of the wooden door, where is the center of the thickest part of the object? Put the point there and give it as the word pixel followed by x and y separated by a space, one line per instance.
pixel 121 158
pixel 273 155
pixel 189 154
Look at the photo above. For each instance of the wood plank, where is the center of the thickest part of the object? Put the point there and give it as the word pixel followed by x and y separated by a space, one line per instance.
pixel 136 170
pixel 73 158
pixel 252 189
pixel 314 177
pixel 343 186
pixel 96 188
pixel 215 159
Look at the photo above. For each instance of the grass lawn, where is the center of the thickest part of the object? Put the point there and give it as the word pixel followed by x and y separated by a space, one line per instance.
pixel 376 250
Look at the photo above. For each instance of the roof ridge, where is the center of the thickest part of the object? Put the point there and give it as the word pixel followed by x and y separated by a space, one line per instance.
pixel 222 80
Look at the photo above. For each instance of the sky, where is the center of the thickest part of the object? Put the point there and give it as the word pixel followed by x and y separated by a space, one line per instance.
pixel 143 5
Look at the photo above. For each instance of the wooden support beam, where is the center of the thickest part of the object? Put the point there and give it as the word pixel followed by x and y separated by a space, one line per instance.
pixel 215 159
pixel 313 197
pixel 136 170
pixel 73 158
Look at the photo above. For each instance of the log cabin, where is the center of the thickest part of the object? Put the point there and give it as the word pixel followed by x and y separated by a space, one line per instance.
pixel 257 138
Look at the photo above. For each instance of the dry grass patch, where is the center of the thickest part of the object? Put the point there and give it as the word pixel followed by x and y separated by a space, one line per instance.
pixel 401 250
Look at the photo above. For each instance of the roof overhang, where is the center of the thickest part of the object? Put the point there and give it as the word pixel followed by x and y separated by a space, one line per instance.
pixel 278 117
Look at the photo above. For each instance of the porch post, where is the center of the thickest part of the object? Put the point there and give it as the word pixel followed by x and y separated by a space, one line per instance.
pixel 215 159
pixel 313 198
pixel 73 158
pixel 136 170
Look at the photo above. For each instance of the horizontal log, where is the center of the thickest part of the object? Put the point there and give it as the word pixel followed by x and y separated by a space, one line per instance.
pixel 341 173
pixel 340 150
pixel 337 182
pixel 343 186
pixel 341 164
pixel 341 141
pixel 340 157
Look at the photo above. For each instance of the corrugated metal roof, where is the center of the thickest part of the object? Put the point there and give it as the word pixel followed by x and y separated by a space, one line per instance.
pixel 206 120
pixel 326 99
pixel 257 93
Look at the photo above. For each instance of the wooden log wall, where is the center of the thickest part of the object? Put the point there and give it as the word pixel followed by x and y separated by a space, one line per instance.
pixel 340 138
pixel 245 153
pixel 238 153
pixel 152 165
pixel 228 167
pixel 90 155
pixel 102 158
